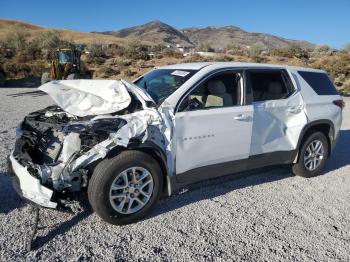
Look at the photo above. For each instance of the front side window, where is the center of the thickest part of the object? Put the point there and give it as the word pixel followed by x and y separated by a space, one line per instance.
pixel 268 85
pixel 222 90
pixel 161 83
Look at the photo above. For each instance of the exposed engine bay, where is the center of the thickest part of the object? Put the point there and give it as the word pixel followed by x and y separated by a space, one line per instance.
pixel 58 147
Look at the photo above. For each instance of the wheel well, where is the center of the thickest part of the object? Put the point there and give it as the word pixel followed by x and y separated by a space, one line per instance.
pixel 160 160
pixel 324 128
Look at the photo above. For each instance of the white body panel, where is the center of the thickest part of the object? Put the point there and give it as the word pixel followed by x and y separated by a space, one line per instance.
pixel 277 124
pixel 206 137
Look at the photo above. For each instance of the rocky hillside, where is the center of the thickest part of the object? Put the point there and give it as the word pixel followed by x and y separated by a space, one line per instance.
pixel 216 37
pixel 221 37
pixel 155 31
pixel 9 25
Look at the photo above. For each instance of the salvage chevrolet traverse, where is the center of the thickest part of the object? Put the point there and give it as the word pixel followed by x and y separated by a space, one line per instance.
pixel 127 143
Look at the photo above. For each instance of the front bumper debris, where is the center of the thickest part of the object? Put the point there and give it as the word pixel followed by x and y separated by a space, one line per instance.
pixel 29 187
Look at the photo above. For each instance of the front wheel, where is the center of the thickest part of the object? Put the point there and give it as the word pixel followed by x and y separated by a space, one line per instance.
pixel 2 78
pixel 73 76
pixel 312 156
pixel 123 189
pixel 45 78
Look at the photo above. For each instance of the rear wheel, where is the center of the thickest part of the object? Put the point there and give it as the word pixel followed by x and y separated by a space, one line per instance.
pixel 2 78
pixel 73 76
pixel 45 78
pixel 123 189
pixel 312 156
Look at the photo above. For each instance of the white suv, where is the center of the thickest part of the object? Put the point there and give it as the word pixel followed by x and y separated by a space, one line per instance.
pixel 128 143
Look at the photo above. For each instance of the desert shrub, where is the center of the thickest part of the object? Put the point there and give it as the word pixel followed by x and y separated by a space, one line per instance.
pixel 206 48
pixel 224 58
pixel 136 50
pixel 97 51
pixel 235 50
pixel 125 62
pixel 17 69
pixel 52 40
pixel 128 73
pixel 259 59
pixel 169 52
pixel 107 71
pixel 115 50
pixel 194 58
pixel 95 60
pixel 256 50
pixel 291 52
pixel 15 39
pixel 346 47
pixel 33 51
pixel 322 48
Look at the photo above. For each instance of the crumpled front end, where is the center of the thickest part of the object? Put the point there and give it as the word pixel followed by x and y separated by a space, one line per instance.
pixel 56 150
pixel 48 142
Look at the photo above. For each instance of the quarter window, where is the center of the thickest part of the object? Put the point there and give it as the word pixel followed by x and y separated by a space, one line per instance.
pixel 319 82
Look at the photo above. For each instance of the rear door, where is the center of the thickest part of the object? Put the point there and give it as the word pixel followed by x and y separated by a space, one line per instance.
pixel 279 114
pixel 212 125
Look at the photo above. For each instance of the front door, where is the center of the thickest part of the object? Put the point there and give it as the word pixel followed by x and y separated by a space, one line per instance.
pixel 212 126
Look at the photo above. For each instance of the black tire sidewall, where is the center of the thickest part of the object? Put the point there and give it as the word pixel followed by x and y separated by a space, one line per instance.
pixel 314 136
pixel 45 78
pixel 115 166
pixel 73 76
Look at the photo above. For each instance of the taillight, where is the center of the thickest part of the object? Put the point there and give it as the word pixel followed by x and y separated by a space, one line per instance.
pixel 339 103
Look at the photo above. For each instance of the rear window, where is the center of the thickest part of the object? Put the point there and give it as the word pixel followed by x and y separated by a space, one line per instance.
pixel 319 82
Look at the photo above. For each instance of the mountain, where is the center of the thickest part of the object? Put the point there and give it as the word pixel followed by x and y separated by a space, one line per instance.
pixel 9 25
pixel 159 32
pixel 221 37
pixel 154 31
pixel 216 37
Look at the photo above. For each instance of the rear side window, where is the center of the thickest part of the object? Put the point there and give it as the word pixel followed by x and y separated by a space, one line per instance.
pixel 319 82
pixel 268 85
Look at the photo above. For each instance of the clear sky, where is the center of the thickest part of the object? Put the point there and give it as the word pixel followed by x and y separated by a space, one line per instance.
pixel 317 21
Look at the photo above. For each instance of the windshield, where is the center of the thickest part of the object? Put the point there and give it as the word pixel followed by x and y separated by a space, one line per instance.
pixel 65 57
pixel 161 83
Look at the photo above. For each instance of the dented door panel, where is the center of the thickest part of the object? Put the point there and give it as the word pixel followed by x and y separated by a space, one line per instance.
pixel 277 124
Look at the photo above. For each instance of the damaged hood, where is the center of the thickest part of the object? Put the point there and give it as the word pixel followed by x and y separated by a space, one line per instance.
pixel 92 97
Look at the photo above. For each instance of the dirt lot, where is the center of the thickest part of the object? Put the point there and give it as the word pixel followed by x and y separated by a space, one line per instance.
pixel 266 216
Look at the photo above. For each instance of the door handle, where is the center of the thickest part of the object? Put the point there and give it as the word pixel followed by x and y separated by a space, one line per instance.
pixel 295 109
pixel 241 117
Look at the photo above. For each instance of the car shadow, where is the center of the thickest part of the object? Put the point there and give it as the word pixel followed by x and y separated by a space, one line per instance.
pixel 24 82
pixel 211 189
pixel 10 200
pixel 30 93
pixel 339 158
pixel 63 227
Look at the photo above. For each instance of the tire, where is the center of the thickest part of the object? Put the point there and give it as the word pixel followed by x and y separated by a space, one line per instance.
pixel 72 76
pixel 45 78
pixel 104 176
pixel 88 75
pixel 2 78
pixel 302 167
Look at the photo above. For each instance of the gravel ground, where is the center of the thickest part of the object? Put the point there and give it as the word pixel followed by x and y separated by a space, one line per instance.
pixel 264 216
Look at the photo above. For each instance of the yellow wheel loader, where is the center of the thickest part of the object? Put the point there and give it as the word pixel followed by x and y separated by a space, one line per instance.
pixel 66 65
